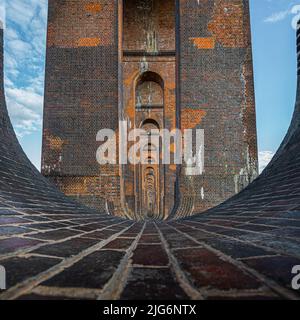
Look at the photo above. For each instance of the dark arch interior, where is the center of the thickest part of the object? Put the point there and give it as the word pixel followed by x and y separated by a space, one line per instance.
pixel 150 122
pixel 149 91
pixel 150 76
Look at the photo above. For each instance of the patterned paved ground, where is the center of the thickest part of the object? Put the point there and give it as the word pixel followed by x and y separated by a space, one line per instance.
pixel 88 256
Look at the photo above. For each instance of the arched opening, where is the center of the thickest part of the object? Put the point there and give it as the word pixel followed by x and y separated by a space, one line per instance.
pixel 148 44
pixel 149 91
pixel 149 174
pixel 149 124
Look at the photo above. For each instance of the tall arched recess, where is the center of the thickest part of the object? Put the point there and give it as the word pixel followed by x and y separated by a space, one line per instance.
pixel 147 82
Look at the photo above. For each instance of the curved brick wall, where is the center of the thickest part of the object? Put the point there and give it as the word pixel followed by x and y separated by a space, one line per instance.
pixel 54 249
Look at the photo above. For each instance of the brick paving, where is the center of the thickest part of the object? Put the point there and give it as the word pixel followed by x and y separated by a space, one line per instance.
pixel 204 257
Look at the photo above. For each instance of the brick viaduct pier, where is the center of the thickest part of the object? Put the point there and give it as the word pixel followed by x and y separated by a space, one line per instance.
pixel 53 248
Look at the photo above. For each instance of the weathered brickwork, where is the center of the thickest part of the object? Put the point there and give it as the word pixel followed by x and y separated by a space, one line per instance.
pixel 176 64
pixel 216 78
pixel 55 249
pixel 81 98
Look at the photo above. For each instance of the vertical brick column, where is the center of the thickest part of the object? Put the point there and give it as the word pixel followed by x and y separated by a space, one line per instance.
pixel 217 95
pixel 81 97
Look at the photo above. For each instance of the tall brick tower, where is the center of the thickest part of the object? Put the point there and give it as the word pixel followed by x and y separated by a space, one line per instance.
pixel 153 64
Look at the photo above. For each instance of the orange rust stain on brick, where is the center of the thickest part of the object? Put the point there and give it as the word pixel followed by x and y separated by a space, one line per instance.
pixel 74 188
pixel 190 118
pixel 93 7
pixel 50 35
pixel 130 108
pixel 78 185
pixel 227 24
pixel 85 103
pixel 170 85
pixel 71 24
pixel 88 42
pixel 129 81
pixel 129 190
pixel 55 143
pixel 173 167
pixel 204 43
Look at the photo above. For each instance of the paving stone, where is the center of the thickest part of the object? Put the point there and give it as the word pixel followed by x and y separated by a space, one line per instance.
pixel 205 269
pixel 257 228
pixel 199 235
pixel 236 233
pixel 21 268
pixel 10 230
pixel 150 238
pixel 120 244
pixel 177 240
pixel 91 227
pixel 152 284
pixel 46 226
pixel 236 249
pixel 67 248
pixel 150 228
pixel 12 220
pixel 55 234
pixel 95 235
pixel 287 232
pixel 93 271
pixel 279 244
pixel 37 297
pixel 150 255
pixel 13 244
pixel 36 218
pixel 8 212
pixel 278 268
pixel 242 297
pixel 133 231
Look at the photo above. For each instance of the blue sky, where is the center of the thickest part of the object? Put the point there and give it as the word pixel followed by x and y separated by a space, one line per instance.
pixel 274 53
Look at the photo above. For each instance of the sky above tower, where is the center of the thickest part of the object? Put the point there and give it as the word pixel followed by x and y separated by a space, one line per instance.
pixel 274 54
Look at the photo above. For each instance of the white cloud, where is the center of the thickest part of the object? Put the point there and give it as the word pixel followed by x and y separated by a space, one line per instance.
pixel 25 109
pixel 293 11
pixel 26 97
pixel 264 158
pixel 278 16
pixel 19 47
pixel 25 38
pixel 2 13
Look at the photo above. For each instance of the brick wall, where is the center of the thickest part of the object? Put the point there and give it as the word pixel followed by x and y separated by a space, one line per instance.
pixel 93 61
pixel 81 96
pixel 216 82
